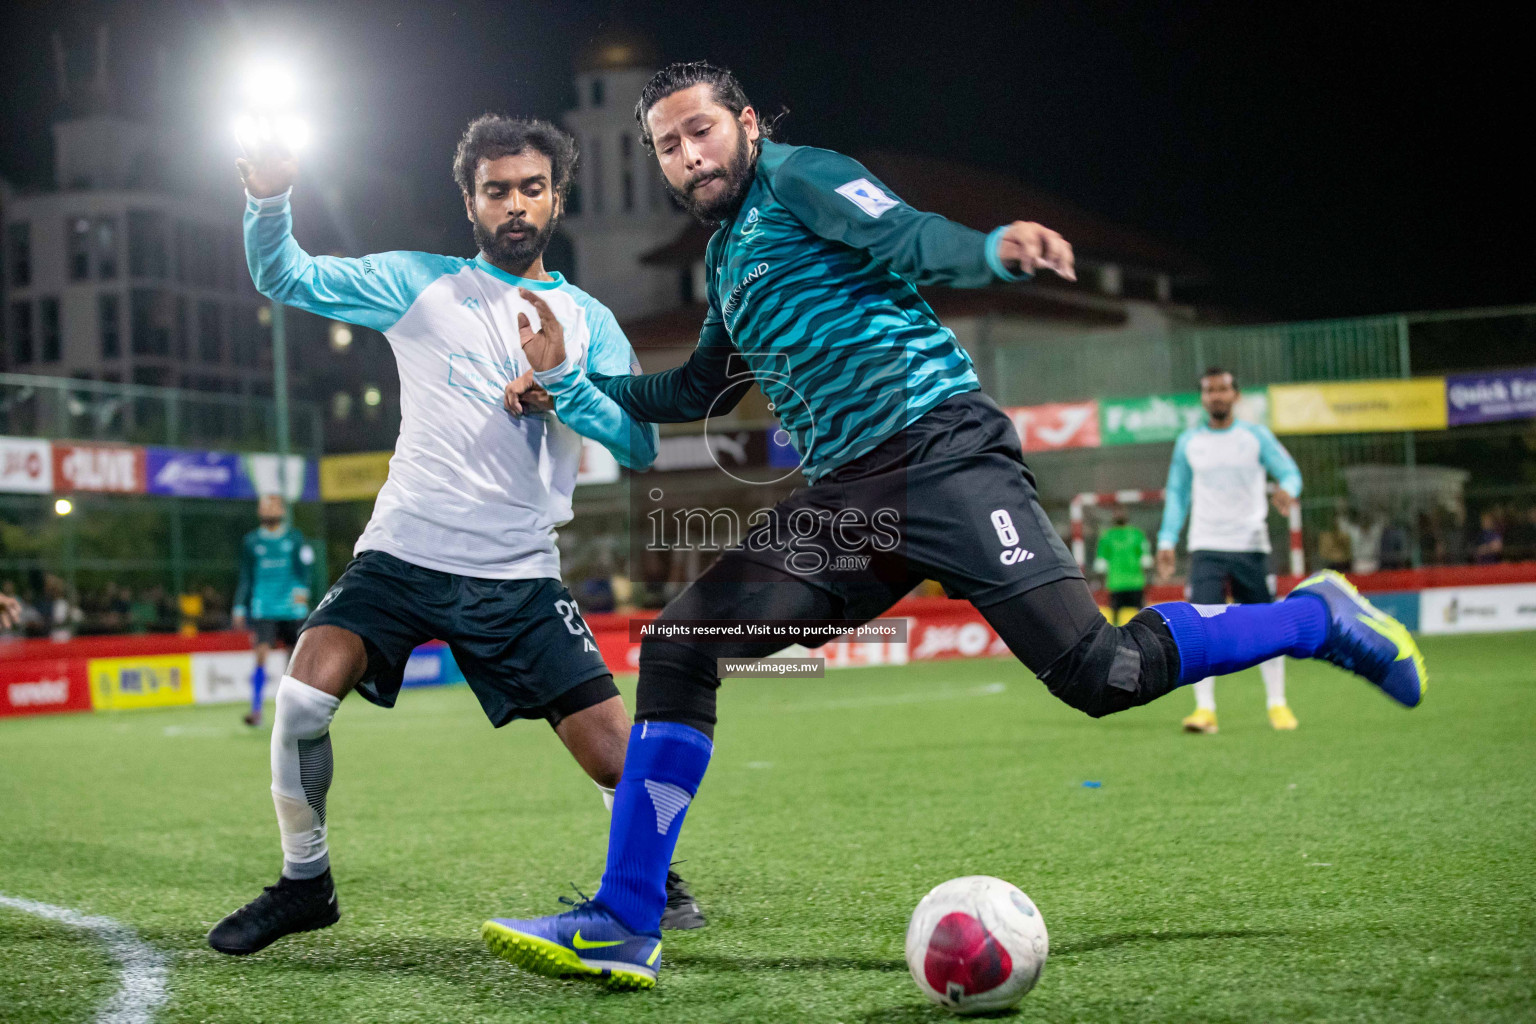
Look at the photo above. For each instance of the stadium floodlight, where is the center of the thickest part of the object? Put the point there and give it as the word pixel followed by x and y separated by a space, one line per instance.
pixel 63 507
pixel 269 92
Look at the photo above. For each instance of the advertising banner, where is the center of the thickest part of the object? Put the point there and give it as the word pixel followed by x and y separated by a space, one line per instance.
pixel 1478 609
pixel 598 466
pixel 1057 425
pixel 26 466
pixel 155 681
pixel 1358 407
pixel 355 477
pixel 1162 418
pixel 116 469
pixel 184 473
pixel 224 677
pixel 44 687
pixel 1491 397
pixel 260 474
pixel 432 664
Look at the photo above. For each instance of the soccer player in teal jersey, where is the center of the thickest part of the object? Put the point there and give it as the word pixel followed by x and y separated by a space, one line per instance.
pixel 812 279
pixel 1123 557
pixel 276 564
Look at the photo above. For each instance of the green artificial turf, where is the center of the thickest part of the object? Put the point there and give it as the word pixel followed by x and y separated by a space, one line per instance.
pixel 1376 865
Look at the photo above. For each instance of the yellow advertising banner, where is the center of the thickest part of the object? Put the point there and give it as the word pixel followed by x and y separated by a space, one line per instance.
pixel 353 477
pixel 1360 406
pixel 153 681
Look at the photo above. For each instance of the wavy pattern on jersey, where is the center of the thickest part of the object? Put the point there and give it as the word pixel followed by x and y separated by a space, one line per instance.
pixel 864 352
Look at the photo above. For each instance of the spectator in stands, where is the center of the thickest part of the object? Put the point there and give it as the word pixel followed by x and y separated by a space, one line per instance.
pixel 1365 545
pixel 1490 541
pixel 62 614
pixel 1520 545
pixel 15 624
pixel 144 612
pixel 1394 546
pixel 1335 546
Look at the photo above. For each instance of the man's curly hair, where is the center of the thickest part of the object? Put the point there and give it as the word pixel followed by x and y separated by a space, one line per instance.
pixel 492 136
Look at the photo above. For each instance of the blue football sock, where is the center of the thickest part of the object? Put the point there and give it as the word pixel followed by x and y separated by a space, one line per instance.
pixel 663 766
pixel 1215 639
pixel 258 680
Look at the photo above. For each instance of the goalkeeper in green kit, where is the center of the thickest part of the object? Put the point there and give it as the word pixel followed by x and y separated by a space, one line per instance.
pixel 1123 558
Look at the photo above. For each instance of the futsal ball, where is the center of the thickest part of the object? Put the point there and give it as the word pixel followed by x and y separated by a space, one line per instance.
pixel 976 944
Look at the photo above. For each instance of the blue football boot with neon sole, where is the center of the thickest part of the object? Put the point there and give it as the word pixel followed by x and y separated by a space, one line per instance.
pixel 1365 640
pixel 585 942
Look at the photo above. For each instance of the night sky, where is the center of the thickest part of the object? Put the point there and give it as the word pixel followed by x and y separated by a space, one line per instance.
pixel 1319 162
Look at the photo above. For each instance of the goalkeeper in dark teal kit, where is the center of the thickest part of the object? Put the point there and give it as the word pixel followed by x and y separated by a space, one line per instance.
pixel 812 276
pixel 276 565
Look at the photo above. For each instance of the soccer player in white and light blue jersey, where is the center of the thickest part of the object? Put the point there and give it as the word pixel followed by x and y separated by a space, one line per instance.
pixel 461 544
pixel 1217 481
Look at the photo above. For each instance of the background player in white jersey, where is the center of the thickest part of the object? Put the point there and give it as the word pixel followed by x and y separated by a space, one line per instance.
pixel 461 544
pixel 1217 480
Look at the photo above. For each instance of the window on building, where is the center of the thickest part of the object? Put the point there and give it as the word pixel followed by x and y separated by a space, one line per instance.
pixel 153 317
pixel 183 330
pixel 242 333
pixel 21 332
pixel 18 253
pixel 107 312
pixel 148 244
pixel 78 248
pixel 48 328
pixel 210 332
pixel 627 153
pixel 595 161
pixel 106 248
pixel 90 248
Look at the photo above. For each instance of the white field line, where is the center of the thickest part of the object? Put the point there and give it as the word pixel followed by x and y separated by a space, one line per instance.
pixel 141 981
pixel 877 700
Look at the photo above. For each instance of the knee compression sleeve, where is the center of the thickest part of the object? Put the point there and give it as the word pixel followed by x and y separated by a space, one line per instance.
pixel 1112 668
pixel 301 774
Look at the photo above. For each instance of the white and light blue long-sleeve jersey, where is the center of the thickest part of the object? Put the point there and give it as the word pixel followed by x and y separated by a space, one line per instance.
pixel 471 490
pixel 1216 480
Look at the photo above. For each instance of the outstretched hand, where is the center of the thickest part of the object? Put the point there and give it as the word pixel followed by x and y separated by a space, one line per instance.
pixel 523 395
pixel 1026 247
pixel 267 170
pixel 546 349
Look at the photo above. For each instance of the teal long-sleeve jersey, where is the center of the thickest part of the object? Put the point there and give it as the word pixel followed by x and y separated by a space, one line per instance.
pixel 812 295
pixel 275 570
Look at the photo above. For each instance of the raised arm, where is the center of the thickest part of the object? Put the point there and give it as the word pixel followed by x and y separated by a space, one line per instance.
pixel 373 291
pixel 839 199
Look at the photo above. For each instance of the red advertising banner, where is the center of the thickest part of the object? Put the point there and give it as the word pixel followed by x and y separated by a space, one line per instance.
pixel 1058 425
pixel 44 687
pixel 98 467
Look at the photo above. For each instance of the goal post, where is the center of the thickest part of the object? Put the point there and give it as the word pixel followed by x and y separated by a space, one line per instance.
pixel 1298 561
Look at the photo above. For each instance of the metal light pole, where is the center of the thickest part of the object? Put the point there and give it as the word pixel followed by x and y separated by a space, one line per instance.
pixel 280 393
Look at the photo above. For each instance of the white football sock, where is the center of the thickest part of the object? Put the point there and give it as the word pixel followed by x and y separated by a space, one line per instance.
pixel 1273 672
pixel 301 774
pixel 607 796
pixel 1205 694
